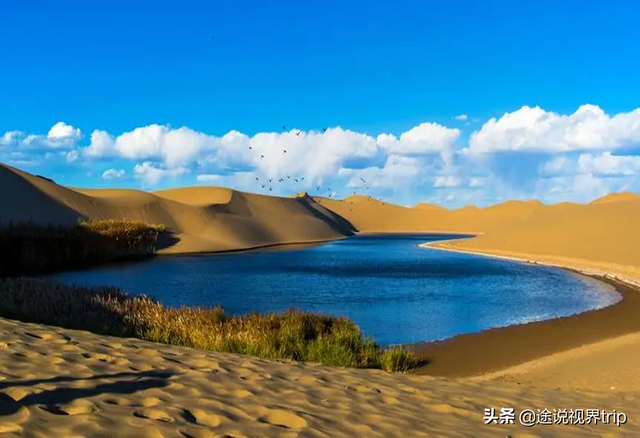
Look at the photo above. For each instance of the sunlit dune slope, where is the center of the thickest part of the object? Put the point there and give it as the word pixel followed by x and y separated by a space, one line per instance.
pixel 425 206
pixel 606 232
pixel 617 197
pixel 229 220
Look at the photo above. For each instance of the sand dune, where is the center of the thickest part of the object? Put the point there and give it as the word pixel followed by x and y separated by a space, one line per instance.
pixel 200 219
pixel 74 383
pixel 64 382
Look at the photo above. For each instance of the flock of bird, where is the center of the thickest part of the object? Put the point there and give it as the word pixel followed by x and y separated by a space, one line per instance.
pixel 268 183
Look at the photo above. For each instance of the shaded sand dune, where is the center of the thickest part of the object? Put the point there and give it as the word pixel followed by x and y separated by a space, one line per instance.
pixel 74 383
pixel 200 219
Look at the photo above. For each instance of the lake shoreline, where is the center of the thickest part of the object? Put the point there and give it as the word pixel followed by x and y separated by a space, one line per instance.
pixel 500 348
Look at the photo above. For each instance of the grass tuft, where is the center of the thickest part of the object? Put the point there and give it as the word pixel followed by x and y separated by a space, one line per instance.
pixel 398 359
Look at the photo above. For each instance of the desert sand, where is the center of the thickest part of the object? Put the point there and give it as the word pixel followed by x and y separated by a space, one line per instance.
pixel 58 382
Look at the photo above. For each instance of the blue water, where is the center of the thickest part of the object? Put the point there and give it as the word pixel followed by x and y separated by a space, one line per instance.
pixel 394 290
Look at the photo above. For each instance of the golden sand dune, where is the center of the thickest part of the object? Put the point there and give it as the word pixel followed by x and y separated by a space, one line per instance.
pixel 430 207
pixel 604 233
pixel 74 383
pixel 200 219
pixel 617 197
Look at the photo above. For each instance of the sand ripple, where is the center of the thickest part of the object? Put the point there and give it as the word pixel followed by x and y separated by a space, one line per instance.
pixel 73 383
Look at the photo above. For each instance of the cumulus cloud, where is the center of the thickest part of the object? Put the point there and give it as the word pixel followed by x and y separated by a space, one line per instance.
pixel 59 136
pixel 607 164
pixel 534 129
pixel 397 171
pixel 446 181
pixel 208 178
pixel 61 131
pixel 556 166
pixel 113 174
pixel 462 117
pixel 151 175
pixel 524 153
pixel 422 139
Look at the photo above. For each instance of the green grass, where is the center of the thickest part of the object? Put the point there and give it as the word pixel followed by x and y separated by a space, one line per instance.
pixel 29 249
pixel 293 334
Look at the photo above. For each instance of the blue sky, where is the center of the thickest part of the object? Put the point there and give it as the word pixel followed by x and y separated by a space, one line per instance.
pixel 137 72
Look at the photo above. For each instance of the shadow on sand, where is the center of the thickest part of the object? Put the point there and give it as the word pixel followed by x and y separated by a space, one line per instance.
pixel 128 383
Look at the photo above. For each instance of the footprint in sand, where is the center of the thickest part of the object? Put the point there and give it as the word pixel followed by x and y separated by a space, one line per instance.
pixel 17 393
pixel 153 414
pixel 43 336
pixel 76 407
pixel 443 408
pixel 282 418
pixel 201 417
pixel 242 393
pixel 200 433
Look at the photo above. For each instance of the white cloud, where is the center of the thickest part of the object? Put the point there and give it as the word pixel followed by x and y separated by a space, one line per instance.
pixel 446 181
pixel 113 174
pixel 462 117
pixel 422 139
pixel 101 145
pixel 151 175
pixel 208 178
pixel 560 165
pixel 398 171
pixel 534 129
pixel 477 182
pixel 72 156
pixel 608 165
pixel 61 136
pixel 9 137
pixel 61 131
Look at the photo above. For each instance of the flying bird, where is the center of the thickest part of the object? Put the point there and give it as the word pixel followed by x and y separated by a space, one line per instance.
pixel 284 127
pixel 285 151
pixel 296 179
pixel 263 185
pixel 261 156
pixel 298 133
pixel 302 179
pixel 270 189
pixel 269 179
pixel 250 147
pixel 256 178
pixel 362 179
pixel 288 176
pixel 324 129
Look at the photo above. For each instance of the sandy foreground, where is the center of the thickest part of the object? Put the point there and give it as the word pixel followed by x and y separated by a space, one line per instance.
pixel 58 382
